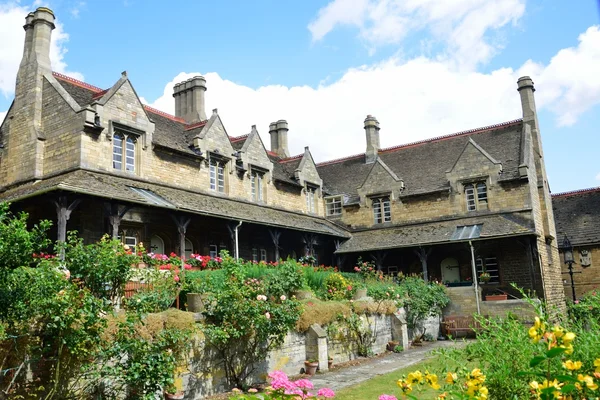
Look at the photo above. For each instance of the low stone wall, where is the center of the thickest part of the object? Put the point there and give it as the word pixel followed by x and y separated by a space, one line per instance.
pixel 462 302
pixel 206 377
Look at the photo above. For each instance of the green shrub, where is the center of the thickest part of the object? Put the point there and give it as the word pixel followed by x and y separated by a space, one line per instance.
pixel 424 299
pixel 587 307
pixel 314 278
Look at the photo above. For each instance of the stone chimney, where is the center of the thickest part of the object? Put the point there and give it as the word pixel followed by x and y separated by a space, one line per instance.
pixel 189 99
pixel 36 50
pixel 279 139
pixel 372 133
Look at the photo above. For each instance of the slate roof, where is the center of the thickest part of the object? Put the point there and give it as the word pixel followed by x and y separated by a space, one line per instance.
pixel 423 165
pixel 439 232
pixel 577 214
pixel 118 188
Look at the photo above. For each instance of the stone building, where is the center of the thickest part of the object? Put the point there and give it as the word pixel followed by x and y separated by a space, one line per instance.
pixel 99 161
pixel 578 218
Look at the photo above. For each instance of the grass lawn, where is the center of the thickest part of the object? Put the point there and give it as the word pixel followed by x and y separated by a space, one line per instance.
pixel 386 384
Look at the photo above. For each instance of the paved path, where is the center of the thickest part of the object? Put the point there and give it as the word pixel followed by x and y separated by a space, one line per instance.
pixel 349 376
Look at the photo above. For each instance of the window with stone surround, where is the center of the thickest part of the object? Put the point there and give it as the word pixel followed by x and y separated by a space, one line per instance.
pixel 310 198
pixel 476 195
pixel 333 205
pixel 256 182
pixel 216 170
pixel 124 152
pixel 254 254
pixel 382 211
pixel 490 265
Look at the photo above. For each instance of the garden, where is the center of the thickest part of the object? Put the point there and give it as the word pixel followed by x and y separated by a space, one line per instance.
pixel 105 321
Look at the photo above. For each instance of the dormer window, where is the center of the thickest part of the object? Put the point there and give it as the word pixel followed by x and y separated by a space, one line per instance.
pixel 382 211
pixel 310 199
pixel 476 194
pixel 256 181
pixel 124 152
pixel 217 175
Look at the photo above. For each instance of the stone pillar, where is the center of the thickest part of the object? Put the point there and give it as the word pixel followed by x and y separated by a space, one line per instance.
pixel 316 346
pixel 400 328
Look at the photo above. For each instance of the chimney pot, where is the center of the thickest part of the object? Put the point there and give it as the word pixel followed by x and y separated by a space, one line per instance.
pixel 189 99
pixel 372 133
pixel 279 142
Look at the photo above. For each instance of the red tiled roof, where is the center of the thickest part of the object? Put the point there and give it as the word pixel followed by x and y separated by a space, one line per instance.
pixel 432 140
pixel 99 94
pixel 77 82
pixel 292 158
pixel 577 192
pixel 194 125
pixel 163 114
pixel 238 138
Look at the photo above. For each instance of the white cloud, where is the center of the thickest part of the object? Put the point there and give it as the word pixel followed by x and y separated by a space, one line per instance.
pixel 462 25
pixel 413 100
pixel 12 18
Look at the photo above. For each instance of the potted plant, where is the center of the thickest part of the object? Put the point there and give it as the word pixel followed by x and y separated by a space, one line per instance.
pixel 173 394
pixel 196 296
pixel 485 277
pixel 310 366
pixel 496 297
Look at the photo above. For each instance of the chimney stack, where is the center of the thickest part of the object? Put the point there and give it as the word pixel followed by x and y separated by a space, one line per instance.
pixel 279 139
pixel 372 133
pixel 189 99
pixel 42 22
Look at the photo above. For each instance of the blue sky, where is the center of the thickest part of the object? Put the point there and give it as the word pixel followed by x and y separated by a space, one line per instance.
pixel 423 68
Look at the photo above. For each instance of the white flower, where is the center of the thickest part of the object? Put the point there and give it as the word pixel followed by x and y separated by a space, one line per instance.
pixel 268 315
pixel 283 297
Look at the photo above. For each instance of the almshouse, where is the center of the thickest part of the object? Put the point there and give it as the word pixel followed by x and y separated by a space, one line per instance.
pixel 99 161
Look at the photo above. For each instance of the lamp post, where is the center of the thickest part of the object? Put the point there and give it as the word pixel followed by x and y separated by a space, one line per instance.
pixel 568 255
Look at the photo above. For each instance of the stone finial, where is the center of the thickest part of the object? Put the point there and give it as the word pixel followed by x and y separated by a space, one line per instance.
pixel 372 134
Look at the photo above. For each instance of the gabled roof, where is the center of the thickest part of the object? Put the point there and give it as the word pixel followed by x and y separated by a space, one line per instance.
pixel 577 214
pixel 423 165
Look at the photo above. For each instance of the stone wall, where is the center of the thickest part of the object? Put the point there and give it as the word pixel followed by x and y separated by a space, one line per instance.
pixel 587 277
pixel 205 376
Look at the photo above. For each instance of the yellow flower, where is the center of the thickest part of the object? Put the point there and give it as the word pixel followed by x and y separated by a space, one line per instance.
pixel 415 377
pixel 597 364
pixel 572 365
pixel 558 331
pixel 432 380
pixel 588 381
pixel 451 378
pixel 404 386
pixel 568 338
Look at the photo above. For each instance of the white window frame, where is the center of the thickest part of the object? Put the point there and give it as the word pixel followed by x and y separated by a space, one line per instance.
pixel 310 199
pixel 263 255
pixel 124 151
pixel 491 266
pixel 333 206
pixel 216 172
pixel 254 254
pixel 256 182
pixel 130 241
pixel 382 210
pixel 213 251
pixel 476 196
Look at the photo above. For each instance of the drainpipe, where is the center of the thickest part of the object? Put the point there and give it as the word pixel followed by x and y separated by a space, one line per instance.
pixel 237 248
pixel 474 268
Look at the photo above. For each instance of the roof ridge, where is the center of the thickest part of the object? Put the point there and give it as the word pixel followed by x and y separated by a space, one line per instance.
pixel 576 192
pixel 452 135
pixel 335 160
pixel 238 138
pixel 195 124
pixel 76 82
pixel 163 114
pixel 431 140
pixel 100 94
pixel 292 158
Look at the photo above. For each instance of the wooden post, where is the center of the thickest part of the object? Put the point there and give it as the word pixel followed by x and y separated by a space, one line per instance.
pixel 115 214
pixel 340 258
pixel 63 213
pixel 379 257
pixel 423 254
pixel 182 223
pixel 275 235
